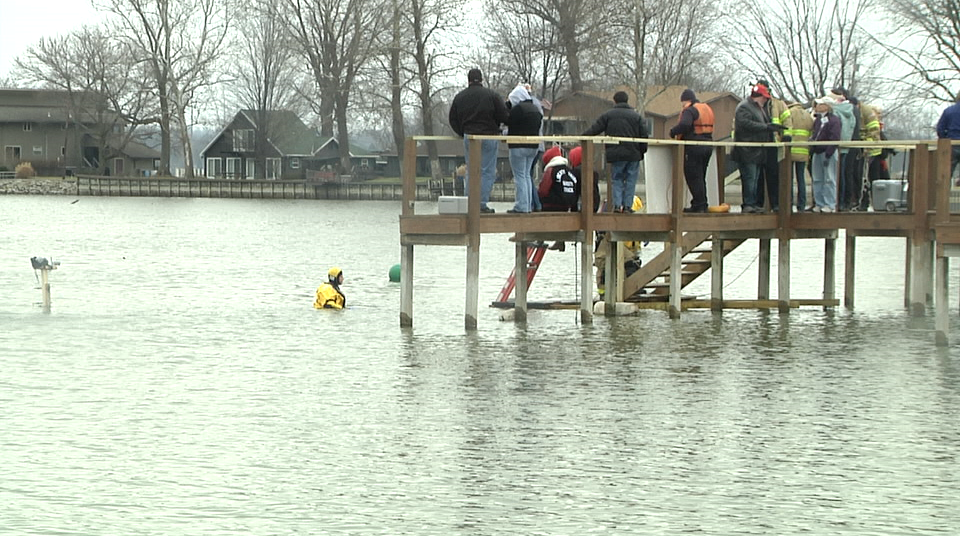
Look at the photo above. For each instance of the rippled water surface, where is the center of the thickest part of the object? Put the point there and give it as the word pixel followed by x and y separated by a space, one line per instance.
pixel 183 384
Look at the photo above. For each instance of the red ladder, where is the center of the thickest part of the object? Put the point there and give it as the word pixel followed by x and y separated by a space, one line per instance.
pixel 534 256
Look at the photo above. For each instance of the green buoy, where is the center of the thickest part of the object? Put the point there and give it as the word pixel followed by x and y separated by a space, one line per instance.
pixel 395 273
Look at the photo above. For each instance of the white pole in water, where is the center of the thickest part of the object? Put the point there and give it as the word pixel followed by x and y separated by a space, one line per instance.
pixel 45 287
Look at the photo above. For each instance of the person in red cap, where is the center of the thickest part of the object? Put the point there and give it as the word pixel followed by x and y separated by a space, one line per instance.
pixel 752 124
pixel 560 188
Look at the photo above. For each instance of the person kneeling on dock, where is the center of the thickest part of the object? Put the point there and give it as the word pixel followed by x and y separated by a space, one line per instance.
pixel 329 295
pixel 560 188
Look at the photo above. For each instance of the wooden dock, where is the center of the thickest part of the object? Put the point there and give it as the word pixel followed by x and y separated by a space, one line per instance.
pixel 931 232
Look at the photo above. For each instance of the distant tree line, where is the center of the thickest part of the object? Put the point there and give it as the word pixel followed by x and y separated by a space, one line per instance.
pixel 163 67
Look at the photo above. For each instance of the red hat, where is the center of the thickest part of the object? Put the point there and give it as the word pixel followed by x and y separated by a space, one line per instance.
pixel 760 90
pixel 551 153
pixel 575 156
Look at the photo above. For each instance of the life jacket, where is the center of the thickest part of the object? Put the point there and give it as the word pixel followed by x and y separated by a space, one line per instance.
pixel 703 124
pixel 329 297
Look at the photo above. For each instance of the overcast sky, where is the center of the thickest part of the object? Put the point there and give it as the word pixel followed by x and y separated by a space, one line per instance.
pixel 25 22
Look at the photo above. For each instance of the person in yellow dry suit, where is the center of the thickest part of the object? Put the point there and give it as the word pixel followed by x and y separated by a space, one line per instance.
pixel 329 295
pixel 628 253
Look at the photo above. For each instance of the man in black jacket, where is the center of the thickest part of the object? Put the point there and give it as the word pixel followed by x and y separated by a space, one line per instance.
pixel 622 121
pixel 478 110
pixel 752 124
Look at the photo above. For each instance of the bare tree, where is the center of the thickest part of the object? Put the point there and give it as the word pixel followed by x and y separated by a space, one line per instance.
pixel 107 91
pixel 338 39
pixel 927 40
pixel 179 41
pixel 581 28
pixel 266 75
pixel 805 47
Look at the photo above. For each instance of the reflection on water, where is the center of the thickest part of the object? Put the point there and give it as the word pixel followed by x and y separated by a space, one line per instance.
pixel 183 384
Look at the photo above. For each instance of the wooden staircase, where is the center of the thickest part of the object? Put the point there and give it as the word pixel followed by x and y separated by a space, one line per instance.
pixel 652 281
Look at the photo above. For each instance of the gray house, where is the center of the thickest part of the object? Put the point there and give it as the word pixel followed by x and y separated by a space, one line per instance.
pixel 43 127
pixel 273 144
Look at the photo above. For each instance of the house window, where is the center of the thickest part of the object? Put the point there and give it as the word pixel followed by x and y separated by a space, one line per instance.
pixel 294 163
pixel 243 140
pixel 11 154
pixel 273 168
pixel 156 163
pixel 251 168
pixel 63 150
pixel 364 163
pixel 27 127
pixel 233 167
pixel 118 166
pixel 214 167
pixel 37 149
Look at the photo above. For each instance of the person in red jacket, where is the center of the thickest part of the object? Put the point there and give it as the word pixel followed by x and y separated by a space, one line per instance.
pixel 560 188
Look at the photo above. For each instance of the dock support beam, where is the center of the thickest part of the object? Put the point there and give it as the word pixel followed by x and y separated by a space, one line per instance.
pixel 920 272
pixel 942 321
pixel 406 286
pixel 783 275
pixel 716 274
pixel 850 265
pixel 763 284
pixel 586 280
pixel 676 277
pixel 829 269
pixel 520 279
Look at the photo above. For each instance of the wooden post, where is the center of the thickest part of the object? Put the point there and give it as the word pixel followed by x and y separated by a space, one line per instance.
pixel 610 287
pixel 520 280
pixel 829 269
pixel 921 268
pixel 45 288
pixel 471 312
pixel 407 208
pixel 763 283
pixel 716 274
pixel 850 270
pixel 783 271
pixel 908 262
pixel 676 266
pixel 942 321
pixel 586 223
pixel 784 232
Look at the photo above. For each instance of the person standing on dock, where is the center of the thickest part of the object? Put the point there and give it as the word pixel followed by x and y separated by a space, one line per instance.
pixel 823 169
pixel 752 124
pixel 478 110
pixel 622 121
pixel 949 127
pixel 524 120
pixel 329 295
pixel 695 124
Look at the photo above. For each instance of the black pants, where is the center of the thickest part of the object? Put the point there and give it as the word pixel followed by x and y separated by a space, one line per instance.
pixel 851 179
pixel 695 162
pixel 770 177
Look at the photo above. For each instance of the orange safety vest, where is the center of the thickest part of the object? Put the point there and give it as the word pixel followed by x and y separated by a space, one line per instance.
pixel 704 123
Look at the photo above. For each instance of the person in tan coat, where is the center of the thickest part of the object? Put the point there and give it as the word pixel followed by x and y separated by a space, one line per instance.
pixel 801 126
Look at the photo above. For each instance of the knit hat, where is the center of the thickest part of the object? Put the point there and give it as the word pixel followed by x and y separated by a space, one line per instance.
pixel 575 156
pixel 688 95
pixel 552 153
pixel 829 100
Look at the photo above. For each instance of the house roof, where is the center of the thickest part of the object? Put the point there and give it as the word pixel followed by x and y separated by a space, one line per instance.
pixel 33 106
pixel 355 150
pixel 285 132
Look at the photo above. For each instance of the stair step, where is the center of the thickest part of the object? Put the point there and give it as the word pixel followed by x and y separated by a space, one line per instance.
pixel 695 261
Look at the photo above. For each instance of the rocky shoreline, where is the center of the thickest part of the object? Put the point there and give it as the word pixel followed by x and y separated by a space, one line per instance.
pixel 38 186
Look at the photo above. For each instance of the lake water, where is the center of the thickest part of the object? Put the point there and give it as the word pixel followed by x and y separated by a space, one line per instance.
pixel 183 384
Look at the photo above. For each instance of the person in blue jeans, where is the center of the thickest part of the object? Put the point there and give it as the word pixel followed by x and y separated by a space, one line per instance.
pixel 752 124
pixel 823 168
pixel 478 110
pixel 524 120
pixel 624 158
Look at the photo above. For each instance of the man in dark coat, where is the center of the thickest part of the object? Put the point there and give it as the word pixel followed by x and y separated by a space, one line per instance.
pixel 478 110
pixel 752 124
pixel 622 121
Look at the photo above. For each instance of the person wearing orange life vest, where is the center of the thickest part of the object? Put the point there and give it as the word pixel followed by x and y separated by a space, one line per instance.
pixel 695 124
pixel 801 126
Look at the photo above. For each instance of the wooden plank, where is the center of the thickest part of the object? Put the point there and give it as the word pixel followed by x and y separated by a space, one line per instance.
pixel 850 271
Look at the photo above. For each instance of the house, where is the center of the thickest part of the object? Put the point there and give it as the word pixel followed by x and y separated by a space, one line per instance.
pixel 364 163
pixel 41 127
pixel 287 147
pixel 573 114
